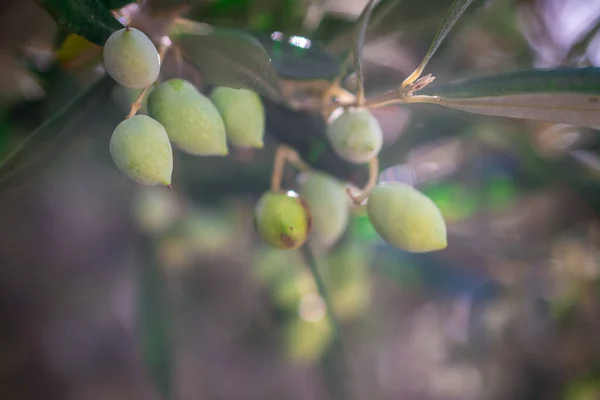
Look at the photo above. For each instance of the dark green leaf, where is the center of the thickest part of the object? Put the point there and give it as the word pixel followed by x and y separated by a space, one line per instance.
pixel 227 57
pixel 116 4
pixel 153 322
pixel 44 144
pixel 564 95
pixel 456 10
pixel 300 63
pixel 361 31
pixel 90 19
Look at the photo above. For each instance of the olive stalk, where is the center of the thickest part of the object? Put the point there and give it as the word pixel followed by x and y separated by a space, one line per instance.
pixel 137 104
pixel 371 183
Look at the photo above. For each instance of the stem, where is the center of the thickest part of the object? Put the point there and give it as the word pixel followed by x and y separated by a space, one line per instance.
pixel 311 260
pixel 373 177
pixel 137 104
pixel 281 155
pixel 296 161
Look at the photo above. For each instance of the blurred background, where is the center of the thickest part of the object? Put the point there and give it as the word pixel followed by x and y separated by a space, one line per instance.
pixel 510 310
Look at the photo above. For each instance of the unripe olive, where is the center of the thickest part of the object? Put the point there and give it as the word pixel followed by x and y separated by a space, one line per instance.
pixel 131 58
pixel 192 122
pixel 406 218
pixel 141 150
pixel 329 206
pixel 282 219
pixel 244 115
pixel 356 135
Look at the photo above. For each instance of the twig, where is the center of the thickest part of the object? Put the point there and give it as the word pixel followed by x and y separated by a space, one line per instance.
pixel 373 177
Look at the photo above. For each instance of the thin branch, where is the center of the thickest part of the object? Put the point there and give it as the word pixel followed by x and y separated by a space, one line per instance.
pixel 373 177
pixel 281 155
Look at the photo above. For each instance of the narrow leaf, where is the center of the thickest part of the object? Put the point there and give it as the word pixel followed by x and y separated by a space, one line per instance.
pixel 43 145
pixel 90 19
pixel 227 57
pixel 456 10
pixel 565 95
pixel 361 31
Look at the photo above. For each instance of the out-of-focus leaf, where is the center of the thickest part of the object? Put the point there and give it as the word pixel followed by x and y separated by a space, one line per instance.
pixel 153 322
pixel 299 58
pixel 456 10
pixel 565 95
pixel 116 4
pixel 44 144
pixel 87 18
pixel 227 57
pixel 76 51
pixel 361 31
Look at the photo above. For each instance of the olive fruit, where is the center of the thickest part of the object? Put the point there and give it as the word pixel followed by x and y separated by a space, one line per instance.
pixel 355 135
pixel 282 219
pixel 141 150
pixel 244 115
pixel 406 218
pixel 131 58
pixel 329 206
pixel 192 122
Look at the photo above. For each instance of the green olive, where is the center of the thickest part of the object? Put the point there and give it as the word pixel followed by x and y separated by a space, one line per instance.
pixel 406 218
pixel 244 115
pixel 131 58
pixel 282 219
pixel 192 122
pixel 356 135
pixel 141 150
pixel 329 206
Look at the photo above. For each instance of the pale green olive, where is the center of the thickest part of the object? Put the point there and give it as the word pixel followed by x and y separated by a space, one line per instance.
pixel 192 122
pixel 406 218
pixel 356 135
pixel 141 150
pixel 329 206
pixel 131 58
pixel 282 219
pixel 244 115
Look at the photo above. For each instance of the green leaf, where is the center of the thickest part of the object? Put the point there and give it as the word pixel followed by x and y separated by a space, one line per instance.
pixel 361 31
pixel 153 321
pixel 116 4
pixel 90 19
pixel 227 57
pixel 456 10
pixel 564 95
pixel 44 144
pixel 300 63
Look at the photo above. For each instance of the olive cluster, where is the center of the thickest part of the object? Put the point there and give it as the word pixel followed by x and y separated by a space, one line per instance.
pixel 179 114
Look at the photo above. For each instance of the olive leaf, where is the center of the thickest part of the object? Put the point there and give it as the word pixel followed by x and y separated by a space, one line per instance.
pixel 361 31
pixel 43 145
pixel 292 61
pixel 152 322
pixel 226 57
pixel 456 10
pixel 90 19
pixel 564 95
pixel 116 4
